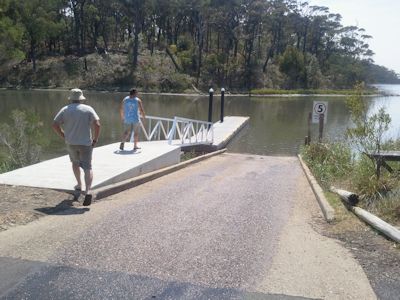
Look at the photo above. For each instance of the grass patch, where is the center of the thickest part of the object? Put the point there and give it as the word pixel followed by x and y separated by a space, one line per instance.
pixel 333 164
pixel 309 92
pixel 191 154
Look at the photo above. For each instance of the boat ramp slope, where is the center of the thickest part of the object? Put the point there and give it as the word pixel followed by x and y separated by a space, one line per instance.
pixel 112 165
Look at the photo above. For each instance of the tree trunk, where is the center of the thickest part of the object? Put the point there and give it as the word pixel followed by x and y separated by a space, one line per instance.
pixel 135 48
pixel 173 59
pixel 33 55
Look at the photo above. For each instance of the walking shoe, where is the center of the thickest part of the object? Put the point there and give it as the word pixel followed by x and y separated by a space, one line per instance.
pixel 121 146
pixel 88 200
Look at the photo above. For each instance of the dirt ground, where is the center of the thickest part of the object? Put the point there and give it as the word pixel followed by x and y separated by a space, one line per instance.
pixel 21 205
pixel 378 256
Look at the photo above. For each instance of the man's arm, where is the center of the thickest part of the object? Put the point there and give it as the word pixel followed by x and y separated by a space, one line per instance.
pixel 57 128
pixel 96 129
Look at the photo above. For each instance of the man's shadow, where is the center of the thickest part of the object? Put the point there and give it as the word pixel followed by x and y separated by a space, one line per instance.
pixel 65 207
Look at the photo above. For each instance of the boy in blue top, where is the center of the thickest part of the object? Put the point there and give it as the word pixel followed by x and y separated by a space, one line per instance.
pixel 129 112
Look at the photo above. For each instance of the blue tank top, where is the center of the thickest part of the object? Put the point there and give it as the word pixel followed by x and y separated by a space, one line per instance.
pixel 131 110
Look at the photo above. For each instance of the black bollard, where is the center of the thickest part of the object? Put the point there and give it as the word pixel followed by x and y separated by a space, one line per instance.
pixel 222 104
pixel 321 127
pixel 210 104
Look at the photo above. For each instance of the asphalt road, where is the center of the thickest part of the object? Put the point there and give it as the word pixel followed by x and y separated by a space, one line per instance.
pixel 231 227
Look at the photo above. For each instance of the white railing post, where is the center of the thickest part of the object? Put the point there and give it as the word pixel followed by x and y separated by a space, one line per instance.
pixel 172 132
pixel 187 131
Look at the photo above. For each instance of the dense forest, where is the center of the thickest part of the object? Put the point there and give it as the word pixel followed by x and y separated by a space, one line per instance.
pixel 238 44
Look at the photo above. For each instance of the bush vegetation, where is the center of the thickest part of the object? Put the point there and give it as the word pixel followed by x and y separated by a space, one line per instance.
pixel 346 164
pixel 21 141
pixel 272 44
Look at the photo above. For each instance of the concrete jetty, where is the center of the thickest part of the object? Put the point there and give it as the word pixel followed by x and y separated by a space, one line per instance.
pixel 112 165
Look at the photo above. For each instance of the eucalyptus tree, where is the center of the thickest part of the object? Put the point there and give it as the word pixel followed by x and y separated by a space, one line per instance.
pixel 254 11
pixel 78 13
pixel 96 16
pixel 41 23
pixel 136 12
pixel 276 21
pixel 11 33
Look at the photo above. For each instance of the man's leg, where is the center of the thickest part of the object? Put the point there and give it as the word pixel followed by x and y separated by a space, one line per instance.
pixel 88 180
pixel 77 172
pixel 73 152
pixel 88 184
pixel 86 164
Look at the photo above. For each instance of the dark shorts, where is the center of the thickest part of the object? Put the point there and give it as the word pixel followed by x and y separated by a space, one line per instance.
pixel 128 127
pixel 81 155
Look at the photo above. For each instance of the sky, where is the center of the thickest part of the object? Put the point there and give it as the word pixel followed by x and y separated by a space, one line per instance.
pixel 379 18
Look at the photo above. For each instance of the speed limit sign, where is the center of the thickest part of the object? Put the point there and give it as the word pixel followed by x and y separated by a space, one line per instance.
pixel 319 108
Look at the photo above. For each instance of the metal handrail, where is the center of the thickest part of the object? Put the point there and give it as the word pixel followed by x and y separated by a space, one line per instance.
pixel 187 131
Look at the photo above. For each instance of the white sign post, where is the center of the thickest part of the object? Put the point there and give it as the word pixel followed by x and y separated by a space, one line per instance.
pixel 319 108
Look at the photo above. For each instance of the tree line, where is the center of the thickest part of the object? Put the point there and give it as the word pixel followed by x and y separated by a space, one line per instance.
pixel 239 44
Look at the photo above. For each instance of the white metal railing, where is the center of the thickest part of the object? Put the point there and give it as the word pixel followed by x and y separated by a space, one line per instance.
pixel 186 131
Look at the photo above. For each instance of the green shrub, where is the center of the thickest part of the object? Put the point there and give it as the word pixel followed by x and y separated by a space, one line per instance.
pixel 72 66
pixel 333 164
pixel 367 185
pixel 174 82
pixel 328 162
pixel 22 140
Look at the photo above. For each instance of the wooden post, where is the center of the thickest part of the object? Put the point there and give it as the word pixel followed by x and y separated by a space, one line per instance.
pixel 348 197
pixel 321 127
pixel 309 128
pixel 377 223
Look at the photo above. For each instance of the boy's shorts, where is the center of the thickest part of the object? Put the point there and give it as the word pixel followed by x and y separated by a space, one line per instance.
pixel 128 127
pixel 81 154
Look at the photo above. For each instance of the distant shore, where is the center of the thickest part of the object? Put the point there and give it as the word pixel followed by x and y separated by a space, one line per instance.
pixel 279 93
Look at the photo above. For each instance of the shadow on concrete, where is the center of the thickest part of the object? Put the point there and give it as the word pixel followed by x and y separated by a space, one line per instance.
pixel 66 207
pixel 125 152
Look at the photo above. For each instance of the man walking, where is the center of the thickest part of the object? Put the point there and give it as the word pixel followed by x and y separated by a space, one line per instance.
pixel 74 124
pixel 129 112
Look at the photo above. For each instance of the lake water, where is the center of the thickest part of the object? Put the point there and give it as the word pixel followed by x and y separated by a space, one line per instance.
pixel 277 125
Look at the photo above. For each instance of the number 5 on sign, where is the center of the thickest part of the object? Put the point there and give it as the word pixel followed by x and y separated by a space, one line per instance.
pixel 319 108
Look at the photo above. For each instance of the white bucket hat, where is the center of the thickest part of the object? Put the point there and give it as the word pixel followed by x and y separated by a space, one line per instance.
pixel 76 95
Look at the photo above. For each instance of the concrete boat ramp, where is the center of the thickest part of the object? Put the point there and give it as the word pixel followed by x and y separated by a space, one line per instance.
pixel 112 165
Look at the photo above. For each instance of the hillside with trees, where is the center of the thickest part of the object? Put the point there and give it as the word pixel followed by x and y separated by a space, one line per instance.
pixel 177 45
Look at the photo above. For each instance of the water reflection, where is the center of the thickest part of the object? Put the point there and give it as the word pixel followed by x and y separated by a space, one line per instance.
pixel 277 125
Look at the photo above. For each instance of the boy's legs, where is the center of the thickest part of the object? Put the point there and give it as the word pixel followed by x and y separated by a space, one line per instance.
pixel 135 128
pixel 126 133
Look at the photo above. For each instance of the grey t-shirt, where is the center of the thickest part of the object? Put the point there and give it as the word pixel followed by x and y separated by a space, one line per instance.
pixel 76 120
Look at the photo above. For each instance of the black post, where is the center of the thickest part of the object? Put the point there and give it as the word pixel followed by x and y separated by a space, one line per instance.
pixel 321 127
pixel 222 104
pixel 210 104
pixel 309 128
